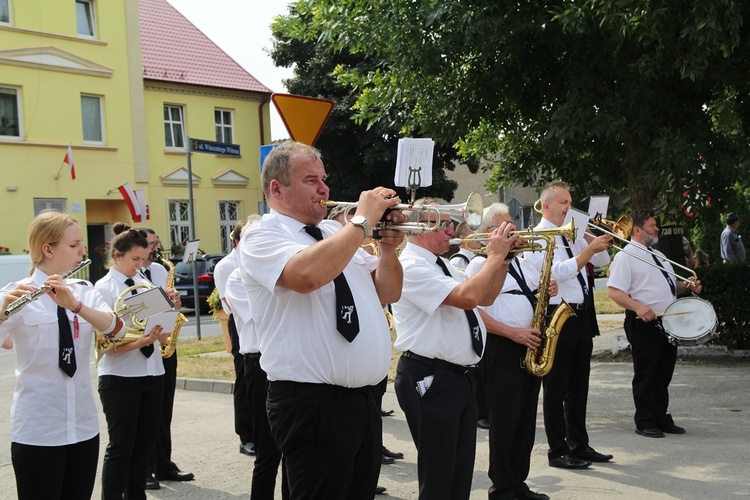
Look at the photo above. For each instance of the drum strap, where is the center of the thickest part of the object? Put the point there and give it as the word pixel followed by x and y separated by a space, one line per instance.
pixel 666 276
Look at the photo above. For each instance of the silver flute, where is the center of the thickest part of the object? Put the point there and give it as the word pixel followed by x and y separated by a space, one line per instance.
pixel 22 301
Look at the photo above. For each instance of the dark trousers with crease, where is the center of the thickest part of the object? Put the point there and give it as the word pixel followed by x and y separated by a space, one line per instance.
pixel 55 472
pixel 243 419
pixel 566 387
pixel 653 365
pixel 131 405
pixel 160 458
pixel 443 425
pixel 513 397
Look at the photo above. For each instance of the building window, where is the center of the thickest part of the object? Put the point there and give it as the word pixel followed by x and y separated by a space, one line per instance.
pixel 179 225
pixel 47 204
pixel 9 116
pixel 5 11
pixel 223 119
pixel 174 127
pixel 228 217
pixel 85 18
pixel 91 116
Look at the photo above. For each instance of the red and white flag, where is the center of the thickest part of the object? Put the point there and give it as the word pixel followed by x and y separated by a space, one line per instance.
pixel 69 160
pixel 140 194
pixel 131 200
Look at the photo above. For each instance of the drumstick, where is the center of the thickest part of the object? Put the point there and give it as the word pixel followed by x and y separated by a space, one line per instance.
pixel 676 313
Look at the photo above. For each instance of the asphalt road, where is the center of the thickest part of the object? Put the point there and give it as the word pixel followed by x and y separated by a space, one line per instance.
pixel 710 399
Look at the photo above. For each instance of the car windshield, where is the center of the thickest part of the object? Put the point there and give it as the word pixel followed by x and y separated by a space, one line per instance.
pixel 184 268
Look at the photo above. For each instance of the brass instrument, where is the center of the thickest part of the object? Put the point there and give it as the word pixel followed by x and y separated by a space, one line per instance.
pixel 528 237
pixel 29 297
pixel 168 348
pixel 470 211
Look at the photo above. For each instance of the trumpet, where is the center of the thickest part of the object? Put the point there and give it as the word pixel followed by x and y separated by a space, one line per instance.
pixel 470 211
pixel 29 297
pixel 528 237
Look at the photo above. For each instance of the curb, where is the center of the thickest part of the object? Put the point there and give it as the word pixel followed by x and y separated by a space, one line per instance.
pixel 205 385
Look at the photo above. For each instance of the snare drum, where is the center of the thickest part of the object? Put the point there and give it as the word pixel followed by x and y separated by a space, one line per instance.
pixel 696 327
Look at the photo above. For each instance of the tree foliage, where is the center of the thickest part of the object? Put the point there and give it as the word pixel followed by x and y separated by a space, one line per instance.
pixel 637 98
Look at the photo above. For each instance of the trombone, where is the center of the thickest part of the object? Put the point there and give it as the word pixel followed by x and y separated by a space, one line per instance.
pixel 470 211
pixel 528 237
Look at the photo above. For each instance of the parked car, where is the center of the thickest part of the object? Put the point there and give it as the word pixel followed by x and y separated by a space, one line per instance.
pixel 183 280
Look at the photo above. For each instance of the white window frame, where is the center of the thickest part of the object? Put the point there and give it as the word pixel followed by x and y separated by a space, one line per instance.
pixel 7 9
pixel 101 119
pixel 179 222
pixel 17 90
pixel 56 204
pixel 227 223
pixel 223 128
pixel 169 125
pixel 88 6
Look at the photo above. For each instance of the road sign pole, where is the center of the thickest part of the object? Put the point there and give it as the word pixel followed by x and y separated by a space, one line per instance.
pixel 191 220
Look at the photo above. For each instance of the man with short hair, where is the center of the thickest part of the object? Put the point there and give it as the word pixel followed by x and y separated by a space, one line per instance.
pixel 732 248
pixel 463 256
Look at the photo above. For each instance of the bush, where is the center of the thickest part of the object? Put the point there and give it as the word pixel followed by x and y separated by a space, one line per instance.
pixel 727 287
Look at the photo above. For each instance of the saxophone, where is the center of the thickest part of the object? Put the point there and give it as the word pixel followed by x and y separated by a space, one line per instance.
pixel 538 361
pixel 168 348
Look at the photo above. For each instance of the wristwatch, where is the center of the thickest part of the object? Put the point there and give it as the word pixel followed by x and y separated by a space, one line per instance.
pixel 359 220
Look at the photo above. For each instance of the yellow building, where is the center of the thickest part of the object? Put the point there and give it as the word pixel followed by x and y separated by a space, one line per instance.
pixel 123 83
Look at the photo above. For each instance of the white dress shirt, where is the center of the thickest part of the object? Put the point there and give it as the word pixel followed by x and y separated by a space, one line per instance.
pixel 424 326
pixel 462 258
pixel 49 407
pixel 132 363
pixel 223 269
pixel 565 268
pixel 159 274
pixel 644 283
pixel 297 332
pixel 243 320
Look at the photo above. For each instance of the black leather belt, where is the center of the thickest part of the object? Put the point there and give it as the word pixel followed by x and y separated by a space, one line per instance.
pixel 251 355
pixel 441 363
pixel 575 307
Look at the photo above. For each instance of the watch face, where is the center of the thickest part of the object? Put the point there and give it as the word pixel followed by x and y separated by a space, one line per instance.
pixel 357 219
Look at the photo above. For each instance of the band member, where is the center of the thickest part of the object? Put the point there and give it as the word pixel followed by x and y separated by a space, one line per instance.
pixel 646 291
pixel 131 377
pixel 442 338
pixel 160 461
pixel 566 387
pixel 243 418
pixel 316 299
pixel 54 421
pixel 512 392
pixel 464 255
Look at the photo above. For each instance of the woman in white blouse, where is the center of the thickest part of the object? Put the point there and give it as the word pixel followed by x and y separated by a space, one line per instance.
pixel 131 377
pixel 54 422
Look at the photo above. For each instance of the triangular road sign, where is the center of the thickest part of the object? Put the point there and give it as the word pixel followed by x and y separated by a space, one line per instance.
pixel 303 116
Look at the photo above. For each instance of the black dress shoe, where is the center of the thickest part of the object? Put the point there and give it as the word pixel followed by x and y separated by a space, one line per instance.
pixel 392 454
pixel 151 483
pixel 386 413
pixel 591 455
pixel 483 423
pixel 379 490
pixel 569 462
pixel 672 429
pixel 247 448
pixel 531 495
pixel 175 475
pixel 386 460
pixel 650 432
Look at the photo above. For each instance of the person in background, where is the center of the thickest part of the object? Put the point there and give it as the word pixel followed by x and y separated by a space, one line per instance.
pixel 243 419
pixel 700 259
pixel 460 259
pixel 160 462
pixel 732 248
pixel 54 423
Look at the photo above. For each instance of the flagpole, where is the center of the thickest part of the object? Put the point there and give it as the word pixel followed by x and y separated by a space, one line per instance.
pixel 191 218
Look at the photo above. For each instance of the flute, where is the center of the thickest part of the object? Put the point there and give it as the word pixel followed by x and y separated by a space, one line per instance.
pixel 22 301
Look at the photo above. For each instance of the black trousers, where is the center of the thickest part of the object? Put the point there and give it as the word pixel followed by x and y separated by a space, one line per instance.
pixel 330 437
pixel 160 458
pixel 132 406
pixel 482 397
pixel 513 396
pixel 443 425
pixel 55 472
pixel 267 454
pixel 566 387
pixel 653 365
pixel 243 419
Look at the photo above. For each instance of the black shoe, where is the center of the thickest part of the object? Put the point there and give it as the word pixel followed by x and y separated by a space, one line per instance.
pixel 175 475
pixel 386 460
pixel 591 455
pixel 386 413
pixel 531 495
pixel 392 454
pixel 672 429
pixel 379 490
pixel 568 462
pixel 248 449
pixel 151 483
pixel 483 423
pixel 650 432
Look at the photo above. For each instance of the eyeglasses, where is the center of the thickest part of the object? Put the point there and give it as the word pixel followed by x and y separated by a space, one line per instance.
pixel 443 225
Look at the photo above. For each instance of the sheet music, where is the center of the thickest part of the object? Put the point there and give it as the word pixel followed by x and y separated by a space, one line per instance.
pixel 414 162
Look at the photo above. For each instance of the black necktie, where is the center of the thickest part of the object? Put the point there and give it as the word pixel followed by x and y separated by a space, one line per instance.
pixel 474 330
pixel 67 360
pixel 518 276
pixel 584 288
pixel 147 350
pixel 669 280
pixel 147 272
pixel 347 321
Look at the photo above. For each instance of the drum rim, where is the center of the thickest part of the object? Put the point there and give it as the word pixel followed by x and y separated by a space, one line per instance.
pixel 703 336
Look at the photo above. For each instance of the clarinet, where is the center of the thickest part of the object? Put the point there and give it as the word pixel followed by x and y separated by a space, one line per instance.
pixel 22 301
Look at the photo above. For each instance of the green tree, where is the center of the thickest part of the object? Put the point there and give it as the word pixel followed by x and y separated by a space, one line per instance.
pixel 647 97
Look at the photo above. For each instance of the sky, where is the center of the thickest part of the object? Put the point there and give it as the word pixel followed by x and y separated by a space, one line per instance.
pixel 242 28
